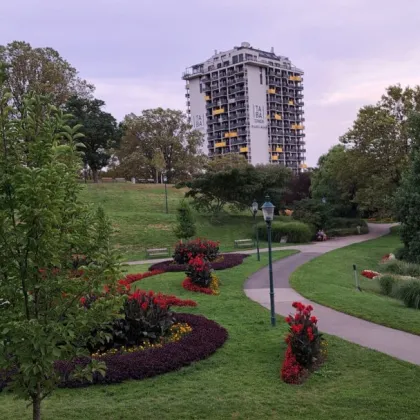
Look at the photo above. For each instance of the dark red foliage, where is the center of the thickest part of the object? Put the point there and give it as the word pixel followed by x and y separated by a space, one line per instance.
pixel 291 371
pixel 132 278
pixel 226 261
pixel 206 337
pixel 184 251
pixel 187 284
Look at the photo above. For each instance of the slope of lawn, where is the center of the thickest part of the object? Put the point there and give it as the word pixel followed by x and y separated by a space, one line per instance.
pixel 329 280
pixel 241 380
pixel 138 214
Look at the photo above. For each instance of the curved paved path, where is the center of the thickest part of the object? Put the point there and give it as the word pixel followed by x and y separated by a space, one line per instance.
pixel 395 343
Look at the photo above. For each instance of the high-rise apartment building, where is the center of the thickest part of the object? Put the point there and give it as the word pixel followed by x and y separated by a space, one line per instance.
pixel 250 102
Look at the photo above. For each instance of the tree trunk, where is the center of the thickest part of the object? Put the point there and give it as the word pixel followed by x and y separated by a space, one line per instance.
pixel 157 176
pixel 36 407
pixel 95 175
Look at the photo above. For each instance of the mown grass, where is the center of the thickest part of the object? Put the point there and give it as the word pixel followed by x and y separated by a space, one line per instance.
pixel 241 380
pixel 329 280
pixel 138 215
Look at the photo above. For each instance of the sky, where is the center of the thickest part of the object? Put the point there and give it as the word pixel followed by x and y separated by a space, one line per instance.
pixel 134 52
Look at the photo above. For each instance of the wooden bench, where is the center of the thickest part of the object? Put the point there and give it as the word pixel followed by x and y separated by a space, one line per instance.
pixel 120 180
pixel 157 252
pixel 107 179
pixel 244 243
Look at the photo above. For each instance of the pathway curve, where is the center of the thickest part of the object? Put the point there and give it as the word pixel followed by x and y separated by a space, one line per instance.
pixel 395 343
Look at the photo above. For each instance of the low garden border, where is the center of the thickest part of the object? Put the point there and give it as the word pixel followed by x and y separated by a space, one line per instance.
pixel 204 339
pixel 229 261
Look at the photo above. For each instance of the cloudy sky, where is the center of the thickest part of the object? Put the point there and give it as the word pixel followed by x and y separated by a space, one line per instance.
pixel 135 51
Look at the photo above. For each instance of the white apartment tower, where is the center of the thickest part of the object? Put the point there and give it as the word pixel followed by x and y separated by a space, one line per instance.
pixel 250 102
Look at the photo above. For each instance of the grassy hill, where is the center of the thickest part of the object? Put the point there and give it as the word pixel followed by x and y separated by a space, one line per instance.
pixel 138 214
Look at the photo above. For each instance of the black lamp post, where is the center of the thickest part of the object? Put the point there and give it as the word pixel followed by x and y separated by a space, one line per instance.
pixel 268 213
pixel 254 208
pixel 165 180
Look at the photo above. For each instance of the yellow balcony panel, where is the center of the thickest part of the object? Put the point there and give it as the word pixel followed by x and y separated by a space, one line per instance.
pixel 220 144
pixel 303 165
pixel 274 157
pixel 273 91
pixel 297 127
pixel 279 149
pixel 231 134
pixel 291 103
pixel 295 78
pixel 218 111
pixel 243 149
pixel 277 116
pixel 207 97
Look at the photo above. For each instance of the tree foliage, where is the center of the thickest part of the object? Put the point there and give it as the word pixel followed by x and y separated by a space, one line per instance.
pixel 100 129
pixel 408 197
pixel 367 171
pixel 227 162
pixel 42 226
pixel 41 71
pixel 185 227
pixel 211 191
pixel 159 133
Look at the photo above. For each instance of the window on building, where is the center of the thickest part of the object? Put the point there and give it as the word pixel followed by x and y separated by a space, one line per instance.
pixel 201 88
pixel 241 57
pixel 235 59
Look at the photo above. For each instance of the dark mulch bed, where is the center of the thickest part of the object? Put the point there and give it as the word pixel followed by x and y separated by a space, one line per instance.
pixel 205 338
pixel 228 261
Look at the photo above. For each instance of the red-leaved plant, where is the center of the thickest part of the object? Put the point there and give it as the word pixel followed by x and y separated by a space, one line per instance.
pixel 199 271
pixel 185 251
pixel 304 343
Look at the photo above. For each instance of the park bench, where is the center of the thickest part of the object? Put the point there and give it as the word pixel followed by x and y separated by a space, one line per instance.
pixel 244 243
pixel 105 179
pixel 157 252
pixel 119 179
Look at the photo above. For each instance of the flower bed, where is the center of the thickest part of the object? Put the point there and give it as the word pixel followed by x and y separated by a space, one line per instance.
pixel 213 289
pixel 369 274
pixel 204 339
pixel 224 262
pixel 306 349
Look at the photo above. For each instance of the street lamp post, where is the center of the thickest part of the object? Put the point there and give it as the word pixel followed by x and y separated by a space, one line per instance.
pixel 165 180
pixel 254 209
pixel 268 213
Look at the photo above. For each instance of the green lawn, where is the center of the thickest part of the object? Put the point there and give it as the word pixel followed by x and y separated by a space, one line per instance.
pixel 329 280
pixel 138 214
pixel 241 381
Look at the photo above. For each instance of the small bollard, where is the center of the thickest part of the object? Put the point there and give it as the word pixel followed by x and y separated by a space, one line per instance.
pixel 356 277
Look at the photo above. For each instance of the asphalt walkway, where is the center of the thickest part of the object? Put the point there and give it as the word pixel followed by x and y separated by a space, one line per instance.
pixel 395 343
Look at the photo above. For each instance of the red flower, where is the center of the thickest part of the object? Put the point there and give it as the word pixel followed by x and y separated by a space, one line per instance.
pixel 288 319
pixel 82 300
pixel 314 319
pixel 144 306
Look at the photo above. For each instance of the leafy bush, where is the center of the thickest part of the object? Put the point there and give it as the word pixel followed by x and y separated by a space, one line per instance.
pixel 387 284
pixel 304 338
pixel 296 232
pixel 402 254
pixel 313 212
pixel 199 271
pixel 402 268
pixel 146 316
pixel 409 293
pixel 345 222
pixel 191 249
pixel 332 233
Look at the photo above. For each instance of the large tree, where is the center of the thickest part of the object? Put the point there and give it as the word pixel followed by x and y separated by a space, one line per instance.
pixel 43 226
pixel 100 129
pixel 42 71
pixel 159 133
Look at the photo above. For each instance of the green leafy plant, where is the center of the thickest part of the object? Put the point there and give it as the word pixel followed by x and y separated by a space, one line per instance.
pixel 185 227
pixel 409 293
pixel 296 232
pixel 402 268
pixel 387 284
pixel 42 226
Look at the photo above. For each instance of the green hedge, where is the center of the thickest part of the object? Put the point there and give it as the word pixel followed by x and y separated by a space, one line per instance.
pixel 332 233
pixel 296 232
pixel 345 223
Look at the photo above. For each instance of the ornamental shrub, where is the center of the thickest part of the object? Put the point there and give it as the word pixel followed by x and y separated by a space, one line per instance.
pixel 199 271
pixel 146 316
pixel 304 338
pixel 409 293
pixel 387 284
pixel 402 268
pixel 204 247
pixel 296 232
pixel 185 227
